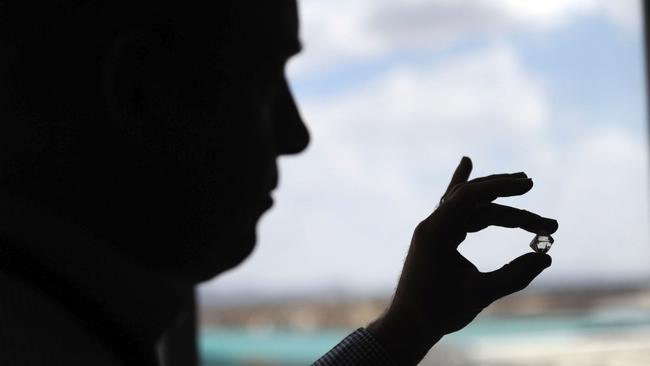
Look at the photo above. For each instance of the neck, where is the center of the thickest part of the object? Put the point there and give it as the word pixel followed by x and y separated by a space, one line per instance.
pixel 138 302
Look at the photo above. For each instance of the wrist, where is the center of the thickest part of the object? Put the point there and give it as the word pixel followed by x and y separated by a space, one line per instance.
pixel 402 337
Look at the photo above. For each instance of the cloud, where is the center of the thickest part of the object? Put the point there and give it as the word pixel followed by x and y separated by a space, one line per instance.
pixel 414 114
pixel 604 198
pixel 487 89
pixel 338 31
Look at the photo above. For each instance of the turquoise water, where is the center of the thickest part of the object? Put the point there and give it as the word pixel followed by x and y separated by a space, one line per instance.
pixel 552 326
pixel 235 347
pixel 278 347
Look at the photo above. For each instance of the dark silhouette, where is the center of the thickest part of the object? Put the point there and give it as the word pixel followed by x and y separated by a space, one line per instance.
pixel 139 144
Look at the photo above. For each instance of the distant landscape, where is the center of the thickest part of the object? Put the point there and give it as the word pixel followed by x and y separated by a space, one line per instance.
pixel 577 326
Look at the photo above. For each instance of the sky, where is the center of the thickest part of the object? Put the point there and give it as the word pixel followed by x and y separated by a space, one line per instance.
pixel 395 92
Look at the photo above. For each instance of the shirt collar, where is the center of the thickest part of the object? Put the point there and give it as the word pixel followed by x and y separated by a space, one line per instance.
pixel 143 302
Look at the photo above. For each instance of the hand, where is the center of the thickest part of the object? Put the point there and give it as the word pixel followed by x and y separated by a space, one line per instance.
pixel 440 291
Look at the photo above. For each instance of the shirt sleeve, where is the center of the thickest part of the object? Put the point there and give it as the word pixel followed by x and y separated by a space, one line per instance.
pixel 357 349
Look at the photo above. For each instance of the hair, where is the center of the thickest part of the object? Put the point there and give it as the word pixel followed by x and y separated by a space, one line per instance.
pixel 52 109
pixel 64 37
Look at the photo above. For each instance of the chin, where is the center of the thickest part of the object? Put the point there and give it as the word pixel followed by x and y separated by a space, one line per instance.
pixel 213 259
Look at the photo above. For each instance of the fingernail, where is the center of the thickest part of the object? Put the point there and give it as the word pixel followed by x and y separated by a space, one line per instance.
pixel 550 221
pixel 527 181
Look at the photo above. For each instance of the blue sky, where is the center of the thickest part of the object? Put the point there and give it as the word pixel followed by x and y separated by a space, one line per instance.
pixel 395 92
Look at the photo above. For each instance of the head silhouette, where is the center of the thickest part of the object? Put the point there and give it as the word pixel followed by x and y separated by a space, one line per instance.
pixel 154 124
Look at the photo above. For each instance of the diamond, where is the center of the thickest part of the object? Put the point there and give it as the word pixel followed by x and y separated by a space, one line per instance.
pixel 541 243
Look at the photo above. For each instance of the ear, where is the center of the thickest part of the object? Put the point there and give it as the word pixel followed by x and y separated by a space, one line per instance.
pixel 130 67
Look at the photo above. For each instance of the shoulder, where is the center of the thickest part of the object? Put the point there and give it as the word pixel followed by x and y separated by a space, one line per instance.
pixel 35 330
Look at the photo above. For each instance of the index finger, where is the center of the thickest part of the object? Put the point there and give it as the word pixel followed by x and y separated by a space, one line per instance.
pixel 510 217
pixel 488 191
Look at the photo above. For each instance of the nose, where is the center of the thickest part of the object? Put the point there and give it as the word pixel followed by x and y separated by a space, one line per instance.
pixel 291 133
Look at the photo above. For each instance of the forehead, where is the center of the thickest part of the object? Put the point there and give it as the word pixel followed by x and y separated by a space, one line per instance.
pixel 268 24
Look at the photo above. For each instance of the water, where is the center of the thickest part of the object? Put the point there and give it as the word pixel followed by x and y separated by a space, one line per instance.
pixel 237 347
pixel 232 346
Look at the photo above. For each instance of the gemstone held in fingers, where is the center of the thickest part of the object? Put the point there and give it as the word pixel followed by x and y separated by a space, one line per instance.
pixel 542 243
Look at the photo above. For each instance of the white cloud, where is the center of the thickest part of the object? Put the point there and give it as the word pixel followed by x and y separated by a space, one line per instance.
pixel 604 198
pixel 339 31
pixel 487 89
pixel 471 103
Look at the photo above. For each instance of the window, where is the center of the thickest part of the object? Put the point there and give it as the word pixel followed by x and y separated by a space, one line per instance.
pixel 394 93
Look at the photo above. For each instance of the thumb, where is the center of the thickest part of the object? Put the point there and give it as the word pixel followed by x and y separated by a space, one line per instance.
pixel 514 276
pixel 461 174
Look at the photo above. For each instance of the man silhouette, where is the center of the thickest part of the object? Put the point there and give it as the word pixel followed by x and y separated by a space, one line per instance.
pixel 139 145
